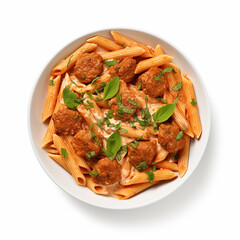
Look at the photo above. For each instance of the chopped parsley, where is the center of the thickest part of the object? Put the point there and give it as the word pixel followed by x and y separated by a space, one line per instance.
pixel 193 102
pixel 179 135
pixel 110 63
pixel 99 123
pixel 133 145
pixel 139 85
pixel 51 82
pixel 74 82
pixel 64 152
pixel 75 117
pixel 83 76
pixel 90 105
pixel 142 165
pixel 90 95
pixel 150 176
pixel 133 103
pixel 124 130
pixel 90 154
pixel 94 80
pixel 94 173
pixel 178 86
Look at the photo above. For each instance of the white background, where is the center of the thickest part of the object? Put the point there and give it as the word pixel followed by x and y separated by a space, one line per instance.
pixel 206 206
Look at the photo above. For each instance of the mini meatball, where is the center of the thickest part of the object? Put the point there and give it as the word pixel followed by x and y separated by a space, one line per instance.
pixel 88 67
pixel 124 69
pixel 145 151
pixel 121 107
pixel 167 137
pixel 83 143
pixel 150 85
pixel 67 122
pixel 109 172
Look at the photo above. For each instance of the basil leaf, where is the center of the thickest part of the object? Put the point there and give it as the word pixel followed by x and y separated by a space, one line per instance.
pixel 133 145
pixel 95 173
pixel 94 80
pixel 193 102
pixel 139 85
pixel 167 70
pixel 178 86
pixel 110 63
pixel 141 165
pixel 51 82
pixel 158 78
pixel 90 95
pixel 111 89
pixel 164 113
pixel 75 117
pixel 179 135
pixel 133 103
pixel 114 143
pixel 70 98
pixel 176 99
pixel 122 108
pixel 150 176
pixel 124 130
pixel 64 152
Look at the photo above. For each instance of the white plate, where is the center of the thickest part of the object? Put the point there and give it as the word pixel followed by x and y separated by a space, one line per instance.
pixel 64 179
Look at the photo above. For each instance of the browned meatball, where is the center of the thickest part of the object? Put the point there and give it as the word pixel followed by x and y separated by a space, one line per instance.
pixel 167 137
pixel 150 85
pixel 109 172
pixel 124 69
pixel 67 122
pixel 119 107
pixel 145 151
pixel 83 143
pixel 88 67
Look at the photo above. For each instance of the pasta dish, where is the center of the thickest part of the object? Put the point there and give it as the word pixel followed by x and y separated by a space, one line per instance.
pixel 120 116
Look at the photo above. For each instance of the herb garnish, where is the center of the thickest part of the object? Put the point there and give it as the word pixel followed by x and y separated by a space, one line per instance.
pixel 75 117
pixel 51 82
pixel 95 173
pixel 164 113
pixel 90 154
pixel 133 103
pixel 114 143
pixel 150 176
pixel 193 102
pixel 179 135
pixel 69 60
pixel 111 89
pixel 178 86
pixel 64 152
pixel 142 165
pixel 70 98
pixel 139 85
pixel 110 63
pixel 94 80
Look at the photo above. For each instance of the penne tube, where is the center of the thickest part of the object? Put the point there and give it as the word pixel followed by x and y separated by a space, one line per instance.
pixel 105 43
pixel 183 157
pixel 103 79
pixel 126 169
pixel 103 104
pixel 151 62
pixel 59 160
pixel 167 165
pixel 171 84
pixel 179 118
pixel 79 160
pixel 177 75
pixel 158 50
pixel 151 130
pixel 125 41
pixel 134 133
pixel 122 53
pixel 69 160
pixel 161 154
pixel 96 111
pixel 52 150
pixel 95 187
pixel 129 191
pixel 142 177
pixel 70 61
pixel 192 110
pixel 51 99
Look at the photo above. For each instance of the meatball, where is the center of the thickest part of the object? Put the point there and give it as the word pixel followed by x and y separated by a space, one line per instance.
pixel 145 151
pixel 150 85
pixel 124 69
pixel 167 137
pixel 83 143
pixel 109 172
pixel 67 122
pixel 121 107
pixel 88 67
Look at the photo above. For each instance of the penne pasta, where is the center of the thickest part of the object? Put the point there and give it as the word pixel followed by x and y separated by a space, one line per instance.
pixel 69 160
pixel 122 53
pixel 51 99
pixel 79 160
pixel 105 43
pixel 167 165
pixel 183 159
pixel 158 50
pixel 59 160
pixel 134 133
pixel 69 62
pixel 95 187
pixel 177 75
pixel 192 110
pixel 128 191
pixel 142 177
pixel 125 41
pixel 151 62
pixel 161 154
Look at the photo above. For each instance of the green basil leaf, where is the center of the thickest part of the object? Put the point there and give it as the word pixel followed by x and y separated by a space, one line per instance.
pixel 178 86
pixel 64 152
pixel 110 63
pixel 158 78
pixel 111 89
pixel 150 176
pixel 133 103
pixel 51 82
pixel 95 173
pixel 164 113
pixel 179 135
pixel 167 70
pixel 193 102
pixel 70 98
pixel 114 143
